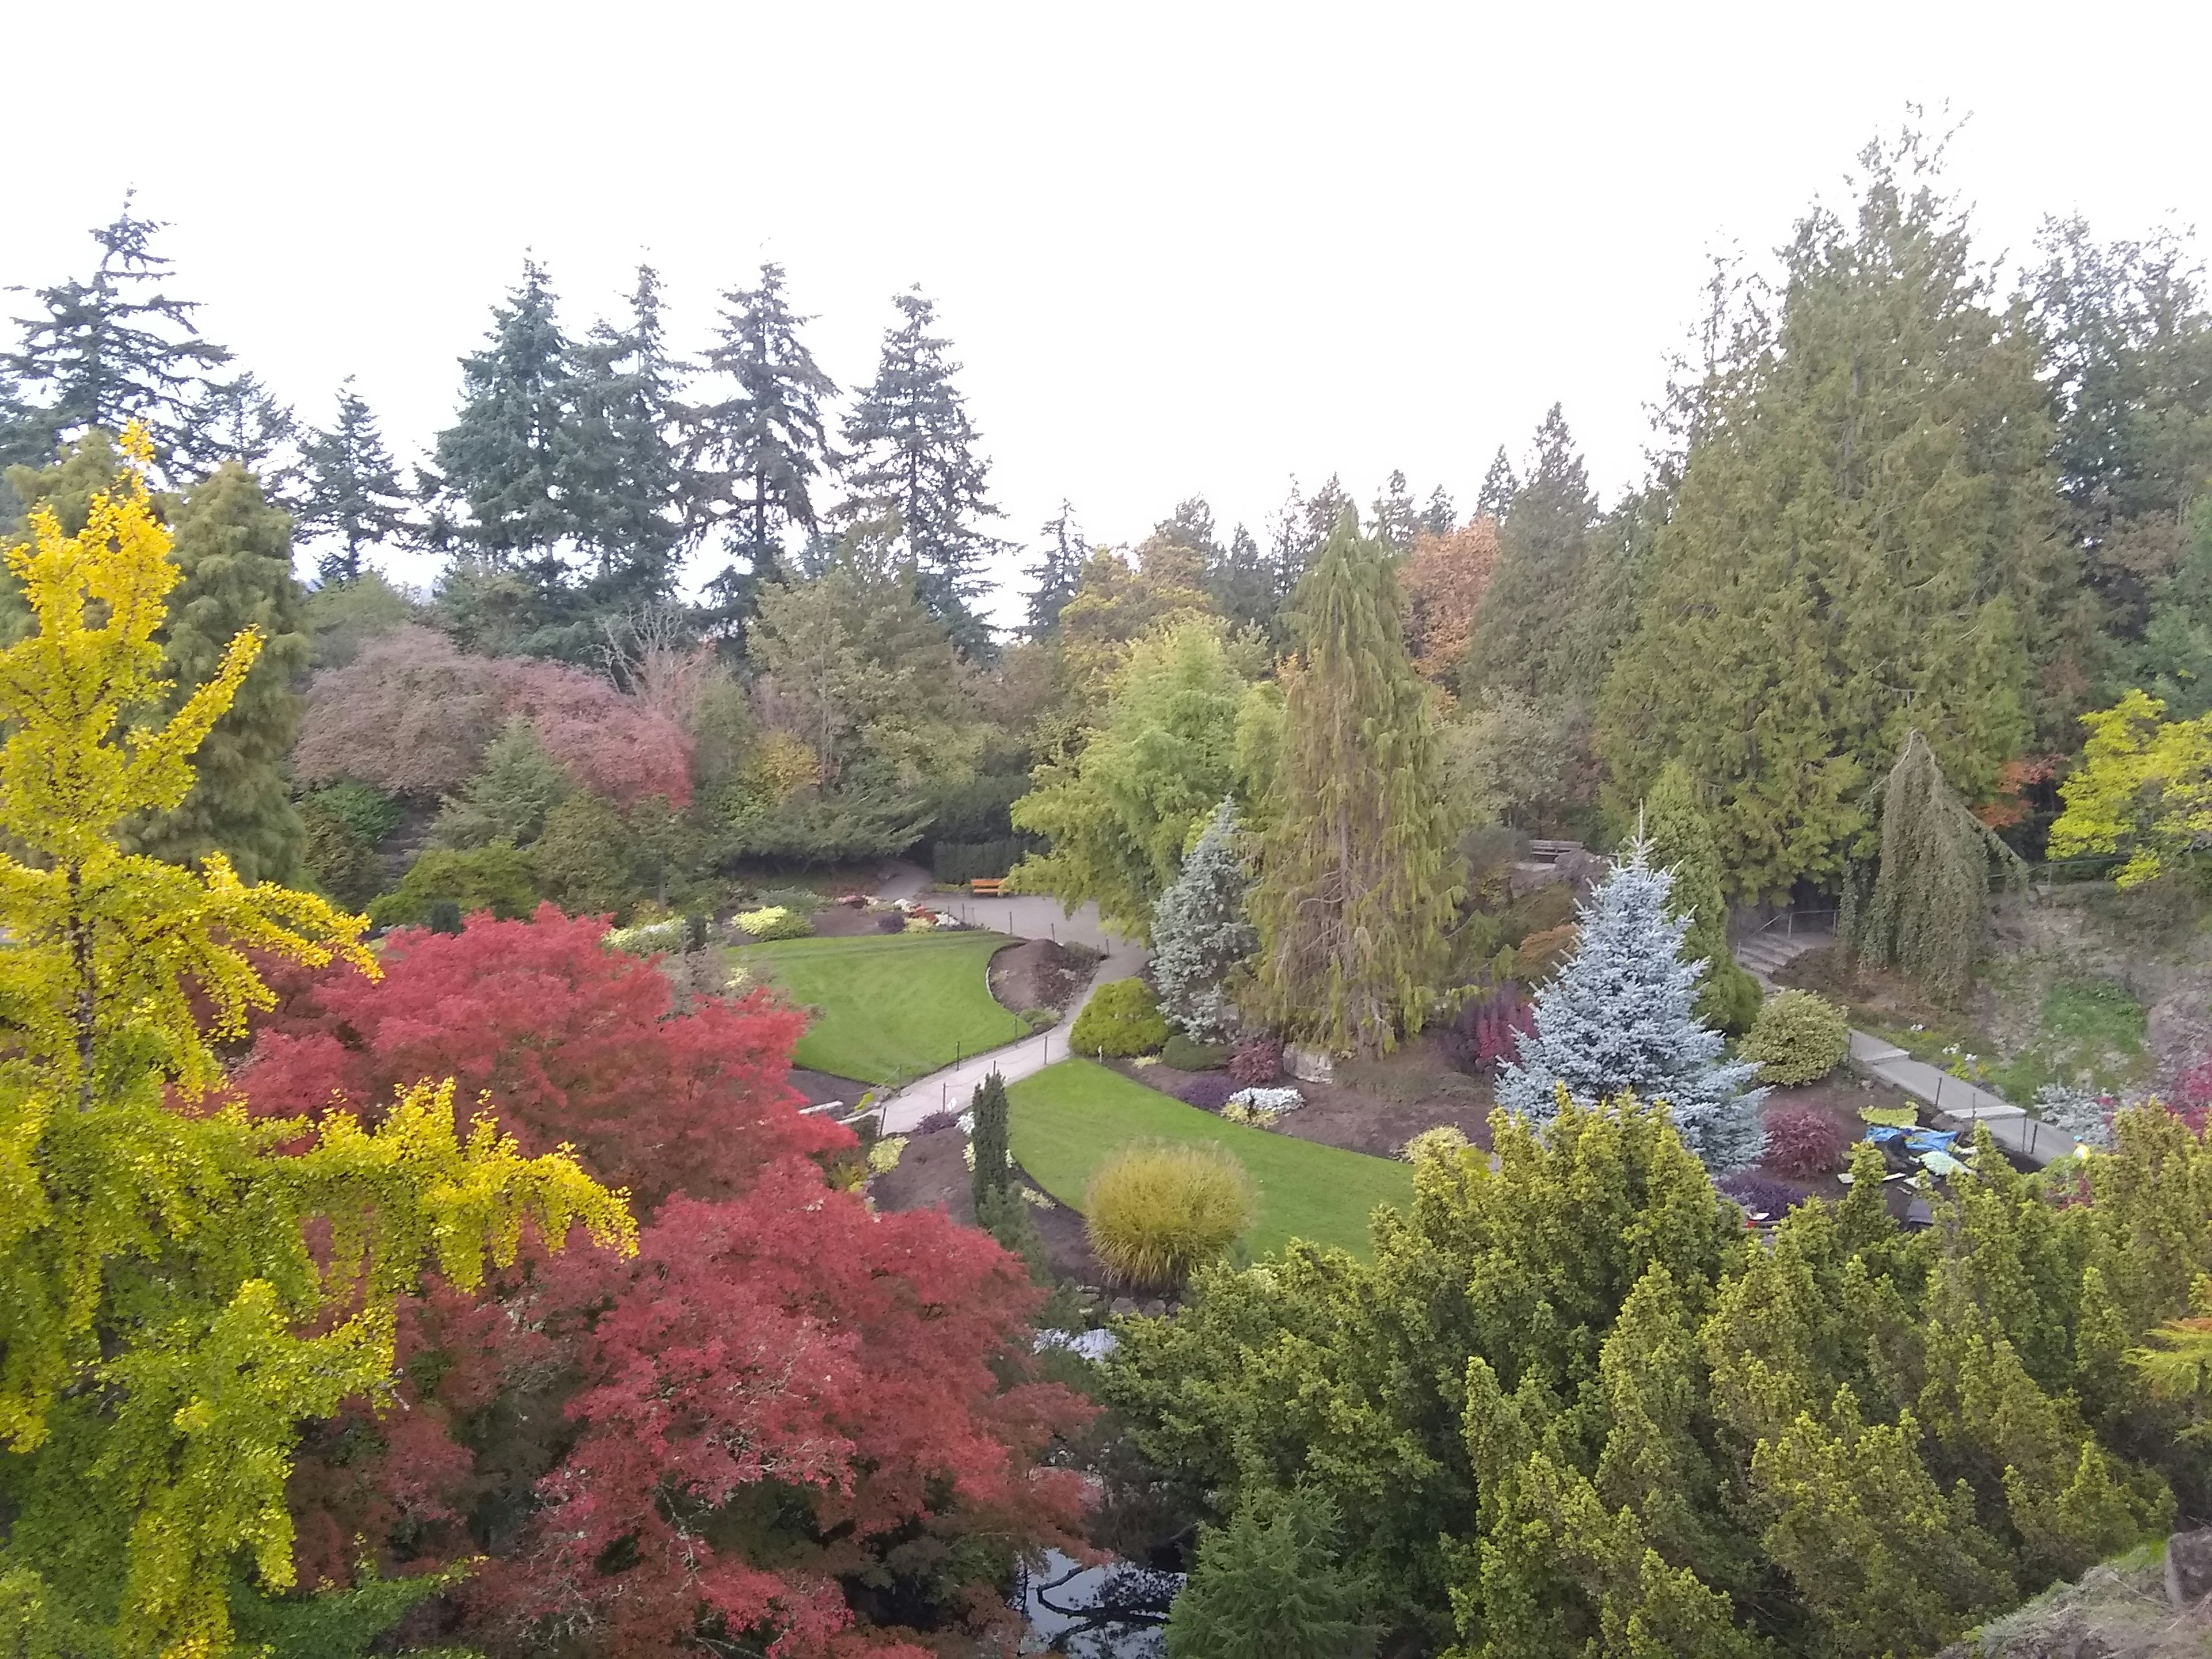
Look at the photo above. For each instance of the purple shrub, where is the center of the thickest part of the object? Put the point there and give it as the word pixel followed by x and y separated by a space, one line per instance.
pixel 1489 1029
pixel 1759 1195
pixel 1804 1143
pixel 1208 1091
pixel 1257 1062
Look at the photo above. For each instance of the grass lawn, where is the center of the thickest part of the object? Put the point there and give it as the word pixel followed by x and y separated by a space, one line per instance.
pixel 1069 1116
pixel 888 1007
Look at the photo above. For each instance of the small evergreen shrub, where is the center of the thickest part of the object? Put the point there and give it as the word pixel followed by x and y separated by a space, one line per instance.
pixel 1185 1055
pixel 1123 1018
pixel 804 900
pixel 1207 1090
pixel 1798 1037
pixel 1803 1143
pixel 1040 1019
pixel 1257 1061
pixel 1156 1213
pixel 497 878
pixel 444 916
pixel 646 940
pixel 772 921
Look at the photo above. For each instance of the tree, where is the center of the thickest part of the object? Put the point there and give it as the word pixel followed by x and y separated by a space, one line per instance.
pixel 1499 486
pixel 913 454
pixel 164 1340
pixel 1865 541
pixel 1200 935
pixel 621 472
pixel 1358 874
pixel 1270 1585
pixel 759 452
pixel 240 422
pixel 1444 582
pixel 1118 813
pixel 1930 896
pixel 1620 1018
pixel 1543 537
pixel 110 349
pixel 233 556
pixel 1118 600
pixel 1058 570
pixel 1680 842
pixel 410 713
pixel 1394 518
pixel 616 747
pixel 987 1108
pixel 354 493
pixel 510 799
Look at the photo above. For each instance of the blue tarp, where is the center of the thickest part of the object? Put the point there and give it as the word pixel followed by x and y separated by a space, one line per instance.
pixel 1931 1140
pixel 1885 1134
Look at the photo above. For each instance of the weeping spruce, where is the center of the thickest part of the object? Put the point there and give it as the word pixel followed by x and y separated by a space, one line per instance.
pixel 1925 908
pixel 1358 877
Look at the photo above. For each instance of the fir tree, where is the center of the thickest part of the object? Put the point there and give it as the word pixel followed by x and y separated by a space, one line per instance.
pixel 1396 520
pixel 1499 486
pixel 1200 934
pixel 354 493
pixel 1057 572
pixel 1681 842
pixel 1241 583
pixel 1620 1018
pixel 760 452
pixel 511 797
pixel 914 450
pixel 239 419
pixel 988 1137
pixel 1543 539
pixel 1359 876
pixel 234 553
pixel 1439 518
pixel 620 472
pixel 1272 1584
pixel 114 349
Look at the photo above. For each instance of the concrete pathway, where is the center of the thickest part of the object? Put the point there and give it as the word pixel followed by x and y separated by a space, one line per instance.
pixel 2013 1127
pixel 1024 917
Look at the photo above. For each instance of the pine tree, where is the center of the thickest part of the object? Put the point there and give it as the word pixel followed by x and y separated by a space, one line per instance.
pixel 1499 486
pixel 354 493
pixel 913 454
pixel 1272 1584
pixel 620 472
pixel 1359 876
pixel 1201 934
pixel 1396 519
pixel 233 552
pixel 502 461
pixel 111 349
pixel 1241 582
pixel 241 420
pixel 989 1138
pixel 1437 517
pixel 1681 843
pixel 1057 572
pixel 1620 1018
pixel 759 452
pixel 511 797
pixel 1543 539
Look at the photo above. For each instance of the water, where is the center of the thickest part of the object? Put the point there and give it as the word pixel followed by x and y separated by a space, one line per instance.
pixel 1114 1611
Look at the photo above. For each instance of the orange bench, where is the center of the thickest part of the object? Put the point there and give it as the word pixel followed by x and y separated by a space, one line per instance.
pixel 987 886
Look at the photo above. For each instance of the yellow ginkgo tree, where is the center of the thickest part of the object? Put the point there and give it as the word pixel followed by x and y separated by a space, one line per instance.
pixel 180 1286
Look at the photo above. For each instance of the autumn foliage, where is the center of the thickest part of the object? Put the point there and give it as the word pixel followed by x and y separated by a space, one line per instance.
pixel 1444 581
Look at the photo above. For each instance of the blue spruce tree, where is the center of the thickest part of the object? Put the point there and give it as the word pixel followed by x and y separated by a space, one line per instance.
pixel 1620 1018
pixel 1200 931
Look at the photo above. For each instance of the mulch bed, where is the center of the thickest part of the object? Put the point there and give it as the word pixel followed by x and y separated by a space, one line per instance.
pixel 850 921
pixel 932 1174
pixel 820 1086
pixel 1041 973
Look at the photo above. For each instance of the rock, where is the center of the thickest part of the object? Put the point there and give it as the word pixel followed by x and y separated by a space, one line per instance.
pixel 1309 1065
pixel 1153 1310
pixel 2189 1567
pixel 1124 1308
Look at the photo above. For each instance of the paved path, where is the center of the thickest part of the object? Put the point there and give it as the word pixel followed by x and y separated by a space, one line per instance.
pixel 2011 1127
pixel 1024 917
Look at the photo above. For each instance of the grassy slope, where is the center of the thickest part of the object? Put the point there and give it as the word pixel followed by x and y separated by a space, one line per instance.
pixel 891 1006
pixel 1069 1116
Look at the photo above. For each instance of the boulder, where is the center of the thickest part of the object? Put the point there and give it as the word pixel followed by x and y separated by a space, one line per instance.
pixel 1309 1065
pixel 2189 1568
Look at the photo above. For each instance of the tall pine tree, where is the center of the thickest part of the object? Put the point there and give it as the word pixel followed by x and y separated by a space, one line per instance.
pixel 354 497
pixel 1058 572
pixel 913 454
pixel 1543 538
pixel 1200 932
pixel 234 551
pixel 621 472
pixel 1682 841
pixel 239 419
pixel 1359 876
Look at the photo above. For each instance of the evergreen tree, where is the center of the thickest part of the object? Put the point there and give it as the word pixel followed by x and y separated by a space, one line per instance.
pixel 993 1151
pixel 233 554
pixel 1681 842
pixel 1620 1018
pixel 1395 520
pixel 1499 486
pixel 353 493
pixel 110 349
pixel 759 452
pixel 511 797
pixel 1543 540
pixel 620 472
pixel 1241 583
pixel 1057 572
pixel 1358 876
pixel 1864 542
pixel 1200 935
pixel 504 460
pixel 1272 1584
pixel 239 419
pixel 1438 516
pixel 913 454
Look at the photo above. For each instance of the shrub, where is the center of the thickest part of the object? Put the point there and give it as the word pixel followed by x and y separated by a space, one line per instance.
pixel 1757 1194
pixel 1542 954
pixel 956 861
pixel 1207 1090
pixel 1040 1019
pixel 497 878
pixel 1185 1055
pixel 804 900
pixel 1803 1142
pixel 445 917
pixel 1489 1028
pixel 1155 1214
pixel 772 921
pixel 1798 1037
pixel 649 939
pixel 1257 1061
pixel 1123 1018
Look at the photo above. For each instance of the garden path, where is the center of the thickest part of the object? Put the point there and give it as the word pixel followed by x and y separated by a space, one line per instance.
pixel 1024 917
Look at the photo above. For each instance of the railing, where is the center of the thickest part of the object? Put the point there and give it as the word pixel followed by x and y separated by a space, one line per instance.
pixel 1787 920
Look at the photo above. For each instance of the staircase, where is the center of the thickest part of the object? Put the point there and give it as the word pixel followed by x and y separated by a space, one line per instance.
pixel 1783 940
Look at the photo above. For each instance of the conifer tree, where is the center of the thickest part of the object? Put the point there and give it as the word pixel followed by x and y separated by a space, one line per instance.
pixel 1201 934
pixel 511 797
pixel 1437 516
pixel 1543 538
pixel 1358 876
pixel 620 470
pixel 759 452
pixel 1272 1584
pixel 1396 519
pixel 353 493
pixel 239 419
pixel 1057 572
pixel 1499 486
pixel 1681 843
pixel 913 454
pixel 233 553
pixel 989 1138
pixel 111 348
pixel 1620 1018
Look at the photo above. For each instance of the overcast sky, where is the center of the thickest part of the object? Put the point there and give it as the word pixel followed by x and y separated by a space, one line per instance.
pixel 1181 249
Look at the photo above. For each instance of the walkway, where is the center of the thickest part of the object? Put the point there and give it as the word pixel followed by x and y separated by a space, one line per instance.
pixel 1024 917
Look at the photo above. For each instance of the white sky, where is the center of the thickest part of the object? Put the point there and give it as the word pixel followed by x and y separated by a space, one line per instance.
pixel 1180 248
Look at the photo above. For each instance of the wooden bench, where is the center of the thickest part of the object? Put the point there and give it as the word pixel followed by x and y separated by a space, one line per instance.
pixel 987 886
pixel 1550 852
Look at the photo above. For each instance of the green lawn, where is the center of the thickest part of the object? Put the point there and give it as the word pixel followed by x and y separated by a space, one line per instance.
pixel 1068 1116
pixel 889 1007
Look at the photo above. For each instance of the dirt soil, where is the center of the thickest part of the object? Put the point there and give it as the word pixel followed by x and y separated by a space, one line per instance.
pixel 1041 973
pixel 1840 1095
pixel 818 1086
pixel 850 921
pixel 932 1174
